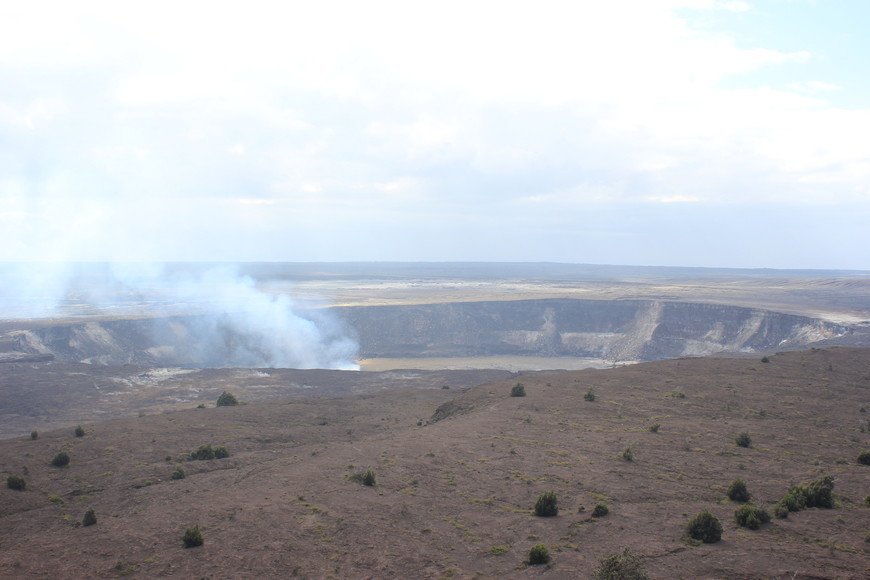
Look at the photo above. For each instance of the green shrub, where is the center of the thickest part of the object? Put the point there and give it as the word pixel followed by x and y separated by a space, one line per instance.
pixel 628 455
pixel 518 390
pixel 61 459
pixel 178 473
pixel 816 494
pixel 780 511
pixel 16 482
pixel 227 400
pixel 624 566
pixel 600 510
pixel 744 440
pixel 749 516
pixel 539 554
pixel 765 359
pixel 864 457
pixel 589 396
pixel 654 428
pixel 34 435
pixel 737 491
pixel 80 432
pixel 867 501
pixel 207 452
pixel 192 537
pixel 547 505
pixel 202 453
pixel 704 527
pixel 366 477
pixel 90 518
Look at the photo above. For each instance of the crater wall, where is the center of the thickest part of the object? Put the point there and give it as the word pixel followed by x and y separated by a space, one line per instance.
pixel 622 330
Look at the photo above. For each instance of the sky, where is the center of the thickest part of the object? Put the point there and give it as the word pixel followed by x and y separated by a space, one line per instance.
pixel 720 133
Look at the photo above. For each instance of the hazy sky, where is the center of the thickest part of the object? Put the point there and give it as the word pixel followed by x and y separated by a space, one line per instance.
pixel 654 132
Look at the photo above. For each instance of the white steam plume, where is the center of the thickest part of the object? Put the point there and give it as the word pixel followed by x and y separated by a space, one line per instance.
pixel 219 318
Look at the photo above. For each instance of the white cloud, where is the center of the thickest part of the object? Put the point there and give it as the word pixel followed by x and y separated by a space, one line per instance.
pixel 299 115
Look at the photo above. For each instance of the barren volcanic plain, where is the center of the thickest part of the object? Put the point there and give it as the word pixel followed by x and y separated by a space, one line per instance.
pixel 458 461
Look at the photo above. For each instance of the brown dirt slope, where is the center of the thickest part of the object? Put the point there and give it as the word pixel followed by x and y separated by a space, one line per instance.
pixel 454 497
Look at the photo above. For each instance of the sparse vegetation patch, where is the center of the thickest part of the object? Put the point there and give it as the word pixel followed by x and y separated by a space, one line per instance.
pixel 227 400
pixel 547 505
pixel 816 494
pixel 61 459
pixel 539 554
pixel 16 482
pixel 744 440
pixel 620 566
pixel 864 457
pixel 704 527
pixel 589 396
pixel 192 537
pixel 749 516
pixel 600 510
pixel 207 452
pixel 366 477
pixel 737 491
pixel 518 390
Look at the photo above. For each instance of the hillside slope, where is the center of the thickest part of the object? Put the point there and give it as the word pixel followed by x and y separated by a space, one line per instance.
pixel 454 495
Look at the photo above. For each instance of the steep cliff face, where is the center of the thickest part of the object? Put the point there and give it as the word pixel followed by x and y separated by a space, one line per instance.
pixel 614 330
pixel 624 330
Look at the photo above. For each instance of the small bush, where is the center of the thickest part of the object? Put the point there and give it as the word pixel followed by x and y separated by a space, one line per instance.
pixel 765 359
pixel 654 428
pixel 227 400
pixel 192 537
pixel 518 390
pixel 628 454
pixel 589 396
pixel 864 457
pixel 56 499
pixel 90 518
pixel 547 505
pixel 366 477
pixel 539 554
pixel 744 440
pixel 749 516
pixel 867 501
pixel 600 510
pixel 202 453
pixel 737 491
pixel 780 511
pixel 16 482
pixel 704 527
pixel 816 494
pixel 178 473
pixel 207 452
pixel 61 459
pixel 34 435
pixel 80 432
pixel 624 566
